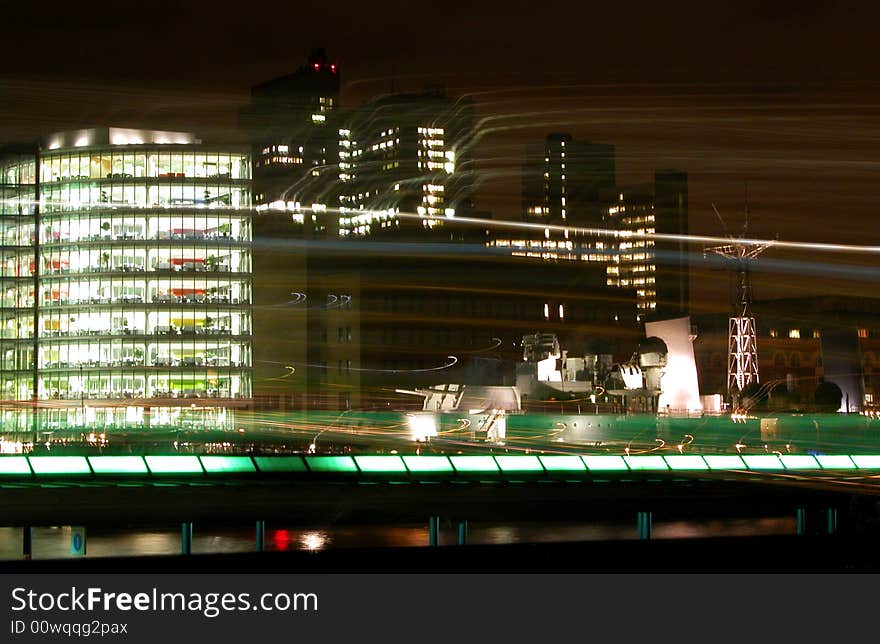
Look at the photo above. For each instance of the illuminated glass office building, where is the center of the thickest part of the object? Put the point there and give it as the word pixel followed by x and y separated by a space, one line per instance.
pixel 126 283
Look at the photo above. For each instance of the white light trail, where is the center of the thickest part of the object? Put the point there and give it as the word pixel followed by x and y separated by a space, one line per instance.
pixel 699 240
pixel 451 362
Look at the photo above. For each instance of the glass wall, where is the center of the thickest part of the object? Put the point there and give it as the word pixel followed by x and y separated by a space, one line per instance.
pixel 139 258
pixel 143 316
pixel 121 225
pixel 128 384
pixel 150 287
pixel 75 196
pixel 135 162
pixel 134 417
pixel 142 321
pixel 17 183
pixel 140 177
pixel 17 235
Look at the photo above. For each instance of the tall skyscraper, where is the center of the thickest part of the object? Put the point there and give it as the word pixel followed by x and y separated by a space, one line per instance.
pixel 563 180
pixel 289 123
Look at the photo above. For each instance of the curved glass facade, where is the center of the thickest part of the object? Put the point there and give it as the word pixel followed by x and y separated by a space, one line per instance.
pixel 126 287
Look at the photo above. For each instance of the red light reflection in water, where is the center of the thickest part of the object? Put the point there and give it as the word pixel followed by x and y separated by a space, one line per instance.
pixel 281 539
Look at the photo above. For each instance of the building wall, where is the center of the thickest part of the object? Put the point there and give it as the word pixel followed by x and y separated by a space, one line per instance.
pixel 281 312
pixel 564 179
pixel 796 365
pixel 633 262
pixel 870 353
pixel 404 154
pixel 673 257
pixel 414 304
pixel 290 124
pixel 572 182
pixel 658 269
pixel 127 286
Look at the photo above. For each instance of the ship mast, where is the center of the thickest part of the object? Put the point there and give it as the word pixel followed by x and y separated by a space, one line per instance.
pixel 742 344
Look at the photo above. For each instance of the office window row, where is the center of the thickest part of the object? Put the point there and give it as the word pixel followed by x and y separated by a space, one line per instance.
pixel 124 385
pixel 116 226
pixel 137 259
pixel 79 196
pixel 128 163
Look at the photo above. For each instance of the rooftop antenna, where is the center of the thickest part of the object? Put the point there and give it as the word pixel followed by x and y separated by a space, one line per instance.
pixel 742 344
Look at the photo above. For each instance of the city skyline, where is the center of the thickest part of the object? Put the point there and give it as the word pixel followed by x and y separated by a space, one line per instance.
pixel 296 287
pixel 799 130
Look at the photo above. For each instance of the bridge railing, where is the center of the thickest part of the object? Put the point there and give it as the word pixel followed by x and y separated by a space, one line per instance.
pixel 421 466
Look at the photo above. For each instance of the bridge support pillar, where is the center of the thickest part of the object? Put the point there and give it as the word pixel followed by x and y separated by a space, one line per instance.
pixel 832 520
pixel 260 536
pixel 463 530
pixel 27 544
pixel 186 537
pixel 802 521
pixel 645 524
pixel 77 541
pixel 434 531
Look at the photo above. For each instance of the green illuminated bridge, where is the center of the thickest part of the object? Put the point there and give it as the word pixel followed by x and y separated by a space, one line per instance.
pixel 425 467
pixel 119 490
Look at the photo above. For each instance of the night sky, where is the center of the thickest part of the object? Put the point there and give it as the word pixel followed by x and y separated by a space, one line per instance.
pixel 780 95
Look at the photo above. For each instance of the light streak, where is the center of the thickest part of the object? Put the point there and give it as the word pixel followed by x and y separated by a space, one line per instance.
pixel 451 362
pixel 698 240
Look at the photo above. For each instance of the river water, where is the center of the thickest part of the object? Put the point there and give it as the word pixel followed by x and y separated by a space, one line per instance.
pixel 54 542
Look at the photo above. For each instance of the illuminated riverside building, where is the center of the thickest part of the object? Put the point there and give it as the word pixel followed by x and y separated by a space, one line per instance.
pixel 126 283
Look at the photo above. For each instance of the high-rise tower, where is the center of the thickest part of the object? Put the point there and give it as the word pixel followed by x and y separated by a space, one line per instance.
pixel 563 180
pixel 289 123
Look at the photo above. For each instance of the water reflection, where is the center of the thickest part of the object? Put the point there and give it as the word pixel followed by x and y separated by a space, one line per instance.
pixel 317 540
pixel 54 542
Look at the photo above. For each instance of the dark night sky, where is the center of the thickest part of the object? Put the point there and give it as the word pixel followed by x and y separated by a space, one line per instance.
pixel 782 95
